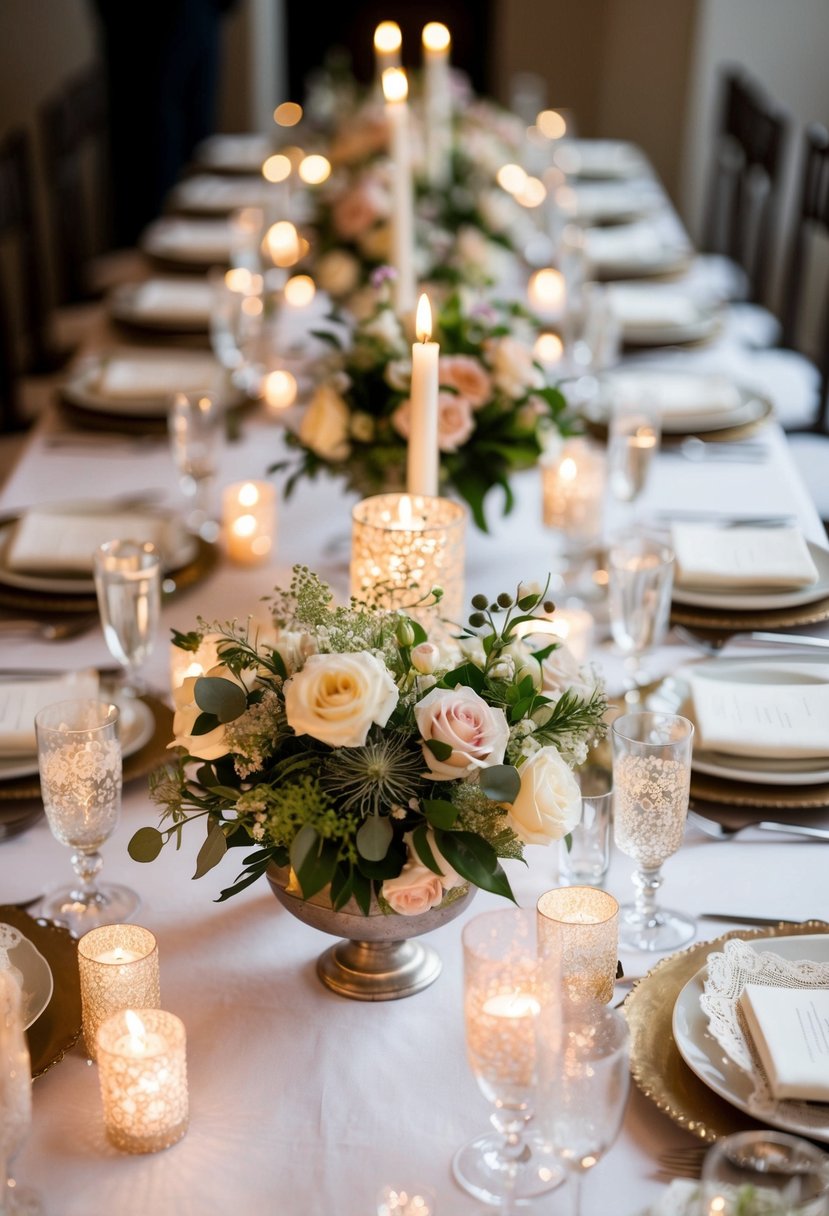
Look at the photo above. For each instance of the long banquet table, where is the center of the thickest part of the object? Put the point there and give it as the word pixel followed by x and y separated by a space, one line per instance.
pixel 303 1102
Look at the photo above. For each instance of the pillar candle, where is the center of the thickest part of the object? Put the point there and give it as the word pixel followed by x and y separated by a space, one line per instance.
pixel 423 455
pixel 396 91
pixel 437 103
pixel 249 518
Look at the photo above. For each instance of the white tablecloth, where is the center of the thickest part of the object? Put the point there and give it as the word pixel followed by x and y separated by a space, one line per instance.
pixel 301 1102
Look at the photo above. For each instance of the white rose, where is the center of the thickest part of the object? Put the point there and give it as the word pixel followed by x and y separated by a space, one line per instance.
pixel 476 733
pixel 384 327
pixel 336 697
pixel 324 427
pixel 548 805
pixel 338 273
pixel 212 744
pixel 561 670
pixel 525 662
pixel 513 369
pixel 294 647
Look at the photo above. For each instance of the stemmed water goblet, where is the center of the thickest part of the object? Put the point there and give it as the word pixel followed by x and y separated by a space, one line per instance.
pixel 583 1085
pixel 79 759
pixel 237 318
pixel 639 584
pixel 651 778
pixel 633 440
pixel 15 1098
pixel 128 586
pixel 504 986
pixel 195 424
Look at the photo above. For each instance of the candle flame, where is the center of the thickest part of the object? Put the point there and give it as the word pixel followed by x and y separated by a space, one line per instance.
pixel 137 1031
pixel 283 243
pixel 248 494
pixel 245 525
pixel 314 169
pixel 436 36
pixel 300 290
pixel 568 469
pixel 511 178
pixel 387 37
pixel 423 319
pixel 395 85
pixel 404 510
pixel 119 954
pixel 280 389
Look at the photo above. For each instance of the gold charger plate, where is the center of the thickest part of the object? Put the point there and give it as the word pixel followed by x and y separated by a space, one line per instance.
pixel 59 1026
pixel 741 430
pixel 49 603
pixel 717 619
pixel 708 788
pixel 655 1063
pixel 148 758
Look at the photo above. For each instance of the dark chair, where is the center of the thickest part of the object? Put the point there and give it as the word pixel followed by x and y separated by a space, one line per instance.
pixel 74 134
pixel 746 177
pixel 25 344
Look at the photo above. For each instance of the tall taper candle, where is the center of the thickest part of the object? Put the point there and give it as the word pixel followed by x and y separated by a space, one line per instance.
pixel 396 91
pixel 387 43
pixel 423 456
pixel 437 103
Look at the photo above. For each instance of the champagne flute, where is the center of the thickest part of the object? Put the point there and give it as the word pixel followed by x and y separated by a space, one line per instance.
pixel 640 581
pixel 632 442
pixel 651 779
pixel 583 1085
pixel 128 586
pixel 79 759
pixel 764 1173
pixel 15 1098
pixel 195 423
pixel 504 984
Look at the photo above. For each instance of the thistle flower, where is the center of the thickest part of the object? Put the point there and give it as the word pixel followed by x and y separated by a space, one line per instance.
pixel 387 772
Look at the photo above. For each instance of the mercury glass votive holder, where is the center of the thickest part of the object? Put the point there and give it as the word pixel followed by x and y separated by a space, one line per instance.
pixel 579 927
pixel 142 1068
pixel 573 486
pixel 119 970
pixel 404 545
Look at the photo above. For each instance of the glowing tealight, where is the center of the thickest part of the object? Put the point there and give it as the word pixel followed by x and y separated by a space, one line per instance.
pixel 277 168
pixel 280 390
pixel 282 240
pixel 249 517
pixel 551 124
pixel 547 292
pixel 315 169
pixel 300 290
pixel 511 178
pixel 548 349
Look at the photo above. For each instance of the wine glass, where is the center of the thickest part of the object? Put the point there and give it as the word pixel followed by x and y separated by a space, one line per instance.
pixel 237 316
pixel 764 1173
pixel 15 1099
pixel 504 984
pixel 79 758
pixel 640 575
pixel 651 778
pixel 632 442
pixel 128 586
pixel 583 1085
pixel 195 424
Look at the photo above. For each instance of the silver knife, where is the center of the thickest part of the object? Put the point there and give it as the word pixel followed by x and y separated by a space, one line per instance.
pixel 750 920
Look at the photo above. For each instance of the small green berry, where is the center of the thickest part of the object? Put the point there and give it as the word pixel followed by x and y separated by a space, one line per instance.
pixel 477 620
pixel 494 607
pixel 549 606
pixel 479 601
pixel 505 599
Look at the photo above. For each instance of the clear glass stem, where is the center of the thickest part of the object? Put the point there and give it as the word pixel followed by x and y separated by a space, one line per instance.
pixel 87 866
pixel 574 1187
pixel 647 883
pixel 514 1150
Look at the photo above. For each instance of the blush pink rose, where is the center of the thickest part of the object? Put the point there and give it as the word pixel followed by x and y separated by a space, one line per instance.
pixel 416 889
pixel 355 211
pixel 476 732
pixel 467 376
pixel 455 421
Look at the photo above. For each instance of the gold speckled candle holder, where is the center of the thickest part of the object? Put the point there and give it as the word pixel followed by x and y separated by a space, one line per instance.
pixel 580 926
pixel 119 970
pixel 142 1068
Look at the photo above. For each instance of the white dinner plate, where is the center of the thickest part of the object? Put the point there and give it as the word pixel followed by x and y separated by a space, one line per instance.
pixel 185 550
pixel 749 407
pixel 36 976
pixel 136 725
pixel 232 153
pixel 196 242
pixel 704 1056
pixel 673 695
pixel 214 194
pixel 599 158
pixel 628 251
pixel 703 320
pixel 82 388
pixel 126 305
pixel 762 600
pixel 608 202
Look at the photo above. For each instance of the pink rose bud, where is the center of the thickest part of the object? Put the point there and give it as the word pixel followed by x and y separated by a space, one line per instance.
pixel 425 657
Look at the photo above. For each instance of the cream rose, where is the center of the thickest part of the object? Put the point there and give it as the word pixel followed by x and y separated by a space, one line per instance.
pixel 467 376
pixel 460 718
pixel 336 697
pixel 212 744
pixel 338 273
pixel 324 427
pixel 561 670
pixel 513 369
pixel 548 805
pixel 456 421
pixel 416 889
pixel 425 657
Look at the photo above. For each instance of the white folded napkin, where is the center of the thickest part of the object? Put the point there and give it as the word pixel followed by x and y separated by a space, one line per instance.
pixel 754 558
pixel 151 376
pixel 236 150
pixel 623 244
pixel 206 190
pixel 20 700
pixel 203 238
pixel 677 395
pixel 652 306
pixel 788 1029
pixel 774 720
pixel 52 541
pixel 174 298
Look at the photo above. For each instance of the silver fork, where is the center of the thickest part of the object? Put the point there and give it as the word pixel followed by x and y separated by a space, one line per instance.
pixel 684 1162
pixel 719 831
pixel 713 645
pixel 698 450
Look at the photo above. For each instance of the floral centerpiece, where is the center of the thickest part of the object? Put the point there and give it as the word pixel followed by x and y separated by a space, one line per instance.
pixel 495 410
pixel 375 764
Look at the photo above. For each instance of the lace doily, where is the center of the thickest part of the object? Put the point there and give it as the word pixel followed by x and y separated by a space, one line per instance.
pixel 9 938
pixel 728 974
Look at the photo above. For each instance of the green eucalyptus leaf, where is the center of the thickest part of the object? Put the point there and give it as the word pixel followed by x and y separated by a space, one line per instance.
pixel 146 844
pixel 528 602
pixel 212 851
pixel 467 674
pixel 475 860
pixel 204 724
pixel 305 840
pixel 439 749
pixel 440 812
pixel 249 877
pixel 224 698
pixel 420 841
pixel 500 782
pixel 318 868
pixel 374 837
pixel 362 891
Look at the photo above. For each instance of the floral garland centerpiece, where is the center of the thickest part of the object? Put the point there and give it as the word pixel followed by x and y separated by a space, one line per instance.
pixel 378 766
pixel 496 412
